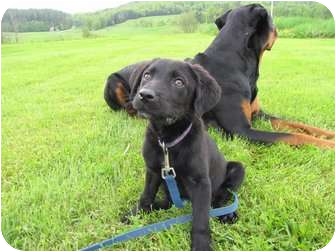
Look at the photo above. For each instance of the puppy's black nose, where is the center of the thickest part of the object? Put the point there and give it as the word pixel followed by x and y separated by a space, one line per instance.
pixel 146 94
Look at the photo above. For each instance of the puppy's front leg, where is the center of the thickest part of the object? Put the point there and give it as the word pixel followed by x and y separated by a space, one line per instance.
pixel 201 200
pixel 152 184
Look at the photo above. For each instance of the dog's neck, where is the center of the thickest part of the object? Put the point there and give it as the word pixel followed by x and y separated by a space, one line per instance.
pixel 224 41
pixel 169 133
pixel 248 57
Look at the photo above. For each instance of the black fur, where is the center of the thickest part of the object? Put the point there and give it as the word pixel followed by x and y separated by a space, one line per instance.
pixel 173 94
pixel 232 59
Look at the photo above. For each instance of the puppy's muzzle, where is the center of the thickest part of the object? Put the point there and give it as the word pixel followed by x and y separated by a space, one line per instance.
pixel 146 95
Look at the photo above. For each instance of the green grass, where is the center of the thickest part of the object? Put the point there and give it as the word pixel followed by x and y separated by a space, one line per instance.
pixel 25 37
pixel 157 24
pixel 301 27
pixel 71 166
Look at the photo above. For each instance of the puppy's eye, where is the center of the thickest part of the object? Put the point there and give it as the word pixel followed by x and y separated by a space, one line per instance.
pixel 179 83
pixel 147 76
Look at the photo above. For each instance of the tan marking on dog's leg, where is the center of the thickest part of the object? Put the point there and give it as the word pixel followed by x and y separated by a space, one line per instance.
pixel 246 107
pixel 300 139
pixel 279 124
pixel 255 106
pixel 120 94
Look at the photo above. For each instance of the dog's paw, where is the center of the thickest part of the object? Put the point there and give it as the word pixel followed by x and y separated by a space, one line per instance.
pixel 125 218
pixel 229 218
pixel 201 246
pixel 201 241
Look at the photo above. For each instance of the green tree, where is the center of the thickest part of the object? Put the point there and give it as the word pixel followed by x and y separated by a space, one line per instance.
pixel 86 29
pixel 188 22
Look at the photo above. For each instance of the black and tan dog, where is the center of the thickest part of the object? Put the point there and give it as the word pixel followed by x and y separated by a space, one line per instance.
pixel 173 95
pixel 232 59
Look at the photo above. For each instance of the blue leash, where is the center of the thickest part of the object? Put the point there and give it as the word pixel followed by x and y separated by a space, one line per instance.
pixel 173 191
pixel 168 174
pixel 159 226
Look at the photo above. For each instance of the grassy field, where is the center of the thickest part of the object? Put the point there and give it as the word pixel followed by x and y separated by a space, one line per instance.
pixel 71 166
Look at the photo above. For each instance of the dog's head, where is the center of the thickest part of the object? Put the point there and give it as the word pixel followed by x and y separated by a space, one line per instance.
pixel 170 90
pixel 254 22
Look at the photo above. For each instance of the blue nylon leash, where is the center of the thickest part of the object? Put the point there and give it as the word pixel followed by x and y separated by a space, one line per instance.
pixel 168 174
pixel 159 226
pixel 173 191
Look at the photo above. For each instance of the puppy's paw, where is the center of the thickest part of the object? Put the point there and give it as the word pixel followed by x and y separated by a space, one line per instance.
pixel 229 218
pixel 126 217
pixel 201 246
pixel 201 242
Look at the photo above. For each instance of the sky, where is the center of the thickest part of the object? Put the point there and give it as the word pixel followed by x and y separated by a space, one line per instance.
pixel 70 6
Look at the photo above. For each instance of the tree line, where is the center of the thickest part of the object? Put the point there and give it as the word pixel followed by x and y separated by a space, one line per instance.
pixel 15 20
pixel 33 20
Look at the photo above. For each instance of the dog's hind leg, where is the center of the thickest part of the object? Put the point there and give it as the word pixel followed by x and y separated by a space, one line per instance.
pixel 235 122
pixel 279 124
pixel 116 95
pixel 235 173
pixel 114 92
pixel 295 139
pixel 282 124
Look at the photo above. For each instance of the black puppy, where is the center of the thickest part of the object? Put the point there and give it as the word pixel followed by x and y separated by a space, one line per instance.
pixel 173 95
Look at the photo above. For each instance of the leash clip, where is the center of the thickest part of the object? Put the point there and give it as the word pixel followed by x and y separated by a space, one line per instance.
pixel 166 170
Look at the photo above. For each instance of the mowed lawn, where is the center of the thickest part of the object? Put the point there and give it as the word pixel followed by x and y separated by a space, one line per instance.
pixel 71 166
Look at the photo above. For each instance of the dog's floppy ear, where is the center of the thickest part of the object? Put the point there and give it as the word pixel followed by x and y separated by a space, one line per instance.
pixel 220 21
pixel 207 90
pixel 260 16
pixel 136 75
pixel 259 25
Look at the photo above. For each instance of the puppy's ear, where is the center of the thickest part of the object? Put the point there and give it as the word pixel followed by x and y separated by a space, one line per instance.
pixel 207 91
pixel 220 22
pixel 136 75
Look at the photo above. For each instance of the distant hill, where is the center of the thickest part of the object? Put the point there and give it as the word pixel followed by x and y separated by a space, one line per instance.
pixel 205 12
pixel 15 20
pixel 108 17
pixel 33 20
